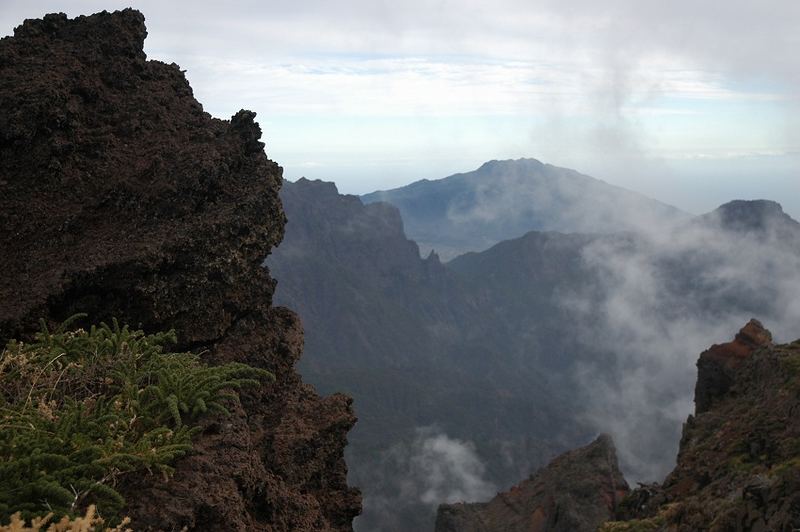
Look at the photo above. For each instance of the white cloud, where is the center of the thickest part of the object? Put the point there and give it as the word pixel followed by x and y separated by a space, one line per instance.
pixel 655 326
pixel 577 82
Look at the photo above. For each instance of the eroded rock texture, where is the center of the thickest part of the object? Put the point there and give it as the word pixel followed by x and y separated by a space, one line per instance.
pixel 717 366
pixel 120 197
pixel 576 492
pixel 738 466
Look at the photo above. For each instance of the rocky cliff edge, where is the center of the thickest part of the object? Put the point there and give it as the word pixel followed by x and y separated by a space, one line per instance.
pixel 121 197
pixel 738 466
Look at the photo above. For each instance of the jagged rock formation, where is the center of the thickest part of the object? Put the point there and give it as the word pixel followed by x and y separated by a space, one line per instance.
pixel 738 467
pixel 120 197
pixel 576 492
pixel 739 461
pixel 346 264
pixel 716 368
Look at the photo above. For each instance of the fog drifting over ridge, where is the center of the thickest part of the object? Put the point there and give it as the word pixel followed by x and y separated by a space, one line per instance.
pixel 670 294
pixel 662 287
pixel 527 349
pixel 428 470
pixel 503 200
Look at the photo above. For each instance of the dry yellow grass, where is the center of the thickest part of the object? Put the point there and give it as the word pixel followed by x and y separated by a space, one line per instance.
pixel 90 522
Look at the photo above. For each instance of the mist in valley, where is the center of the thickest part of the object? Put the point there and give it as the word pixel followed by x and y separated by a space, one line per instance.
pixel 528 348
pixel 669 296
pixel 486 310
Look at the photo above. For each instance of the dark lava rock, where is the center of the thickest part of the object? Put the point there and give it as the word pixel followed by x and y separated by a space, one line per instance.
pixel 120 197
pixel 576 492
pixel 738 467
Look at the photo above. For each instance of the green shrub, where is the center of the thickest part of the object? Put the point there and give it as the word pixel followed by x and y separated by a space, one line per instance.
pixel 79 409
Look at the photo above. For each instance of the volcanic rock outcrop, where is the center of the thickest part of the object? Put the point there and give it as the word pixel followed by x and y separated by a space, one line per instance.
pixel 739 461
pixel 738 467
pixel 576 492
pixel 716 368
pixel 121 197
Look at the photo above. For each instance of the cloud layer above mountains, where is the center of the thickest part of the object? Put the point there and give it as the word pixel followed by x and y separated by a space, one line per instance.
pixel 377 94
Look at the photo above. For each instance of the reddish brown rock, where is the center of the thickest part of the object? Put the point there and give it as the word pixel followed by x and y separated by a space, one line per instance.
pixel 576 492
pixel 717 365
pixel 738 466
pixel 120 197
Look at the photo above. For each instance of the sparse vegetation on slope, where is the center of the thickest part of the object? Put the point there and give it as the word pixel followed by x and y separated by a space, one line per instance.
pixel 80 408
pixel 88 522
pixel 738 467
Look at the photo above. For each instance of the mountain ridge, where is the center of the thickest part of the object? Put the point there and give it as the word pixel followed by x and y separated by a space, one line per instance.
pixel 503 199
pixel 548 326
pixel 576 492
pixel 405 336
pixel 738 467
pixel 738 464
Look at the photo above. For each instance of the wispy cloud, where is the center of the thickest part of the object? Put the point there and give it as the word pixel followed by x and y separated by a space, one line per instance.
pixel 668 294
pixel 427 469
pixel 626 80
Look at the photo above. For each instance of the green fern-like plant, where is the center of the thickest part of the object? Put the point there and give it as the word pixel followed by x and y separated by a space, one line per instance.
pixel 79 409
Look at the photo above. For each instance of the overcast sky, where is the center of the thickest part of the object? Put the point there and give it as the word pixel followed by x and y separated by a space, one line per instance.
pixel 691 102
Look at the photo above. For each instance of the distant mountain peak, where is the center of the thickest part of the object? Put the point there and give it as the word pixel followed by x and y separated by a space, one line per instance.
pixel 751 215
pixel 327 187
pixel 504 163
pixel 505 199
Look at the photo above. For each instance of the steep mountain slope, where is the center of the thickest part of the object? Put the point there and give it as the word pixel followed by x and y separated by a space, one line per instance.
pixel 738 467
pixel 739 461
pixel 417 348
pixel 624 294
pixel 524 349
pixel 506 199
pixel 120 197
pixel 358 259
pixel 576 492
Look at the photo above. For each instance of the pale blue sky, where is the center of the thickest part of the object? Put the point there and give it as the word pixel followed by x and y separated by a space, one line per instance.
pixel 691 102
